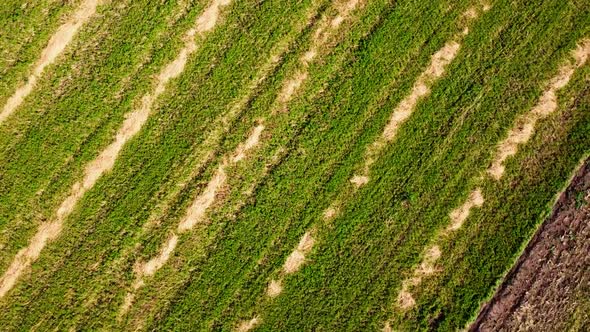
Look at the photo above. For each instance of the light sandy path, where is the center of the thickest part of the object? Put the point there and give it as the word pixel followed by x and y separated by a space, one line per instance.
pixel 460 214
pixel 248 325
pixel 106 159
pixel 56 45
pixel 406 107
pixel 518 135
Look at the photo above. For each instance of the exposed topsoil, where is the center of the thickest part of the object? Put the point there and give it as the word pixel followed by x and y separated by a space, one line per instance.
pixel 548 289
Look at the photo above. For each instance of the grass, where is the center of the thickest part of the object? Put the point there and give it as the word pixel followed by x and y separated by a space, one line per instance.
pixel 26 29
pixel 61 127
pixel 219 272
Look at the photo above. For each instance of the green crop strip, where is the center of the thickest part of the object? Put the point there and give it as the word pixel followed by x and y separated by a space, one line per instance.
pixel 173 139
pixel 242 243
pixel 219 271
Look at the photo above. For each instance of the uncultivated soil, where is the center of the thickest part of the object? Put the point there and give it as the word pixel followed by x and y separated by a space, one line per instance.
pixel 551 279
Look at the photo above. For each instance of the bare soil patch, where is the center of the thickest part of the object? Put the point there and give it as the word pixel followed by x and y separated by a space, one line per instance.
pixel 541 291
pixel 460 214
pixel 275 287
pixel 248 325
pixel 296 259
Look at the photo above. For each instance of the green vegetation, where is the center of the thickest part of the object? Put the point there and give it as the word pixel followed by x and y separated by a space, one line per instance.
pixel 218 274
pixel 60 127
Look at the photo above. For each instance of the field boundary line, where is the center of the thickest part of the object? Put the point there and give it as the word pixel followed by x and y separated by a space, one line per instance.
pixel 487 306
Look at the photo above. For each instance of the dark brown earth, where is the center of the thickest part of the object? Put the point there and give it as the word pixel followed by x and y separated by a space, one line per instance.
pixel 548 289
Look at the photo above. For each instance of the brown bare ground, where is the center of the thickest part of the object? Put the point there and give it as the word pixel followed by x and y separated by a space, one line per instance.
pixel 56 45
pixel 542 289
pixel 525 126
pixel 106 159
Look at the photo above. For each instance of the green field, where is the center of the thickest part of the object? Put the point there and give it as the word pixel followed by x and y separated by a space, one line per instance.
pixel 323 78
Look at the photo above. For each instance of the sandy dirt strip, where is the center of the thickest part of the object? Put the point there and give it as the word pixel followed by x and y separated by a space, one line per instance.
pixel 525 126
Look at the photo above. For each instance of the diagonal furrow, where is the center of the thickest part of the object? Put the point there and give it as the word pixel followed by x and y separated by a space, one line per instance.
pixel 421 89
pixel 106 159
pixel 521 132
pixel 56 45
pixel 197 211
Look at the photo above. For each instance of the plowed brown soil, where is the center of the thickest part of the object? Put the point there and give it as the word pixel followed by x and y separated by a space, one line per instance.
pixel 546 288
